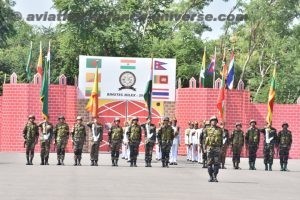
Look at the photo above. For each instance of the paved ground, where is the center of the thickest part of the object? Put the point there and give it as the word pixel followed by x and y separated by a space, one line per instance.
pixel 184 181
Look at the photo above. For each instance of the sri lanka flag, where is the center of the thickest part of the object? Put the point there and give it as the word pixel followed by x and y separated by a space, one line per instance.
pixel 271 98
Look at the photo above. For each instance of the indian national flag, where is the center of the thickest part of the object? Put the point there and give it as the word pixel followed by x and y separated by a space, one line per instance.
pixel 271 98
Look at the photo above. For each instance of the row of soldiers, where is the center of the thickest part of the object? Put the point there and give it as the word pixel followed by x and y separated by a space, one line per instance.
pixel 164 136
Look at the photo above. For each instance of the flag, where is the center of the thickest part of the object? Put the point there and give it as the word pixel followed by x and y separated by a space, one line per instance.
pixel 148 91
pixel 44 91
pixel 202 71
pixel 92 105
pixel 39 67
pixel 271 98
pixel 221 97
pixel 28 66
pixel 230 75
pixel 48 62
pixel 158 65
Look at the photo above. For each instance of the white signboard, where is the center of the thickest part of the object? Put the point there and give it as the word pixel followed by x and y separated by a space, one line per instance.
pixel 126 78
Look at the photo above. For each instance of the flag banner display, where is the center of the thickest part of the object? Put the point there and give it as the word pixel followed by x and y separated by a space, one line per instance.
pixel 126 78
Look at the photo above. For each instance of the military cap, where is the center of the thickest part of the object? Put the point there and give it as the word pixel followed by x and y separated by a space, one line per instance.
pixel 213 118
pixel 252 121
pixel 31 117
pixel 116 119
pixel 238 124
pixel 79 118
pixel 61 117
pixel 285 123
pixel 135 119
pixel 166 119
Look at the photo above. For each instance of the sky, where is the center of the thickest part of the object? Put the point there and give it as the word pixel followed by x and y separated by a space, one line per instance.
pixel 39 7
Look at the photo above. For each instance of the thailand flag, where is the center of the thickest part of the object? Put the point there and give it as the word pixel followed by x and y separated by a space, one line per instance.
pixel 230 76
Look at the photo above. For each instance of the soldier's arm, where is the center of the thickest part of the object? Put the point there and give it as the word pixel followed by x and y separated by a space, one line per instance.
pixel 247 137
pixel 25 132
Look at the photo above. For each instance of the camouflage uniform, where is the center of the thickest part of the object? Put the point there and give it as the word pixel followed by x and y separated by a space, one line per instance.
pixel 46 137
pixel 115 137
pixel 284 141
pixel 165 138
pixel 202 139
pixel 30 135
pixel 134 137
pixel 252 143
pixel 225 143
pixel 270 136
pixel 97 137
pixel 78 137
pixel 237 139
pixel 213 143
pixel 150 137
pixel 61 134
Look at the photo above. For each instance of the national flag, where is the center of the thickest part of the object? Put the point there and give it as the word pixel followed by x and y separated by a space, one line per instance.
pixel 158 65
pixel 28 66
pixel 221 97
pixel 89 77
pixel 44 92
pixel 148 91
pixel 39 67
pixel 92 105
pixel 212 65
pixel 271 97
pixel 230 75
pixel 160 93
pixel 202 71
pixel 92 63
pixel 48 61
pixel 161 79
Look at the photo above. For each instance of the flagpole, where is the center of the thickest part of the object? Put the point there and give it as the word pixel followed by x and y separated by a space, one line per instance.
pixel 214 75
pixel 48 57
pixel 203 67
pixel 150 113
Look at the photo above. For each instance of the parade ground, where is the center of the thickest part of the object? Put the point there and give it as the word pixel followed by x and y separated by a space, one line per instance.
pixel 184 181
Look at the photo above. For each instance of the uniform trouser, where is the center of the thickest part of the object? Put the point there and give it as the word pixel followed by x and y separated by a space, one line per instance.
pixel 165 151
pixel 60 150
pixel 124 151
pixel 134 150
pixel 213 156
pixel 148 151
pixel 204 157
pixel 252 149
pixel 223 154
pixel 78 146
pixel 30 148
pixel 283 154
pixel 194 151
pixel 115 149
pixel 174 152
pixel 268 153
pixel 157 151
pixel 95 151
pixel 200 153
pixel 236 151
pixel 188 152
pixel 45 149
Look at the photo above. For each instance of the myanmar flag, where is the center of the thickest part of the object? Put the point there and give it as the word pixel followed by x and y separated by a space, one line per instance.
pixel 271 98
pixel 44 91
pixel 92 105
pixel 148 91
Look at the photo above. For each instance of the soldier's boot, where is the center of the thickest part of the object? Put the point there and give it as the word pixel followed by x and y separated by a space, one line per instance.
pixel 285 167
pixel 46 160
pixel 131 163
pixel 250 166
pixel 58 161
pixel 163 163
pixel 167 164
pixel 116 162
pixel 204 164
pixel 134 163
pixel 210 172
pixel 95 162
pixel 237 166
pixel 281 167
pixel 27 158
pixel 266 167
pixel 234 165
pixel 92 163
pixel 75 160
pixel 270 167
pixel 42 161
pixel 223 166
pixel 253 166
pixel 113 162
pixel 79 160
pixel 149 163
pixel 146 163
pixel 31 159
pixel 62 162
pixel 215 178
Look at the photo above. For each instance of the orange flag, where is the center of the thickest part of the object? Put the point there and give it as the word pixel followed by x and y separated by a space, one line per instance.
pixel 221 97
pixel 39 67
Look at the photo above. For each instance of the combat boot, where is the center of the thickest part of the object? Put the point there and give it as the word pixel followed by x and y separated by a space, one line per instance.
pixel 30 161
pixel 134 163
pixel 234 165
pixel 113 162
pixel 237 166
pixel 79 161
pixel 163 164
pixel 58 162
pixel 95 162
pixel 250 166
pixel 223 166
pixel 285 167
pixel 131 163
pixel 281 167
pixel 210 172
pixel 149 164
pixel 116 162
pixel 167 164
pixel 211 179
pixel 62 162
pixel 27 158
pixel 42 161
pixel 253 166
pixel 215 178
pixel 92 163
pixel 270 167
pixel 75 160
pixel 204 164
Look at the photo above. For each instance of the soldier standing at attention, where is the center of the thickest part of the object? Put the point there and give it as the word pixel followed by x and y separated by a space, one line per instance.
pixel 125 149
pixel 165 138
pixel 97 137
pixel 134 136
pixel 150 137
pixel 213 143
pixel 237 139
pixel 270 136
pixel 202 139
pixel 78 139
pixel 61 135
pixel 225 143
pixel 176 142
pixel 194 142
pixel 46 129
pixel 252 143
pixel 187 141
pixel 30 135
pixel 115 137
pixel 284 141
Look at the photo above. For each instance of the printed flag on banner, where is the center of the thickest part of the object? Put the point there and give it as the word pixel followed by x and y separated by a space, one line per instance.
pixel 230 75
pixel 28 66
pixel 128 64
pixel 161 79
pixel 159 93
pixel 271 97
pixel 39 67
pixel 159 65
pixel 91 63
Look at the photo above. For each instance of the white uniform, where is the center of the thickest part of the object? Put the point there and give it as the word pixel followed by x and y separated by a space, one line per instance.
pixel 157 150
pixel 199 149
pixel 195 142
pixel 174 147
pixel 187 143
pixel 125 149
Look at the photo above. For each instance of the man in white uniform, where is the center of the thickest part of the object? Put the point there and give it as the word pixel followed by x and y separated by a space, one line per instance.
pixel 176 143
pixel 125 149
pixel 194 142
pixel 187 141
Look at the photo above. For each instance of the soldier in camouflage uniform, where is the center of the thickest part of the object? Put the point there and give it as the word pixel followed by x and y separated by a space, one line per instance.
pixel 46 129
pixel 284 141
pixel 115 137
pixel 165 138
pixel 78 139
pixel 30 135
pixel 225 143
pixel 202 139
pixel 61 135
pixel 237 140
pixel 252 139
pixel 150 137
pixel 213 144
pixel 270 136
pixel 134 137
pixel 97 137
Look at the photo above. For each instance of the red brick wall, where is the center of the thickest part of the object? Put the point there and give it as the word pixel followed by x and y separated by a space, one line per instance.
pixel 200 103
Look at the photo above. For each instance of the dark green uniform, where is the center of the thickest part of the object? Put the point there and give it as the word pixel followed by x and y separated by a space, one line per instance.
pixel 270 136
pixel 134 139
pixel 202 139
pixel 165 138
pixel 115 137
pixel 97 137
pixel 237 139
pixel 61 134
pixel 46 137
pixel 30 134
pixel 252 143
pixel 150 137
pixel 284 141
pixel 225 143
pixel 78 137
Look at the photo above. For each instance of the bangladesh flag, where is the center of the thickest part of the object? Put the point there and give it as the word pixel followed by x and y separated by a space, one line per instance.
pixel 148 91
